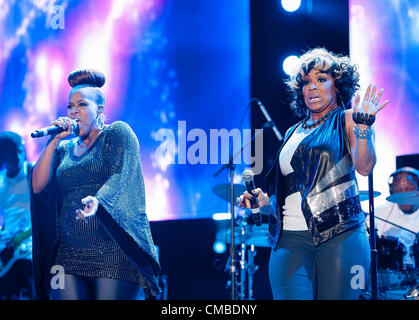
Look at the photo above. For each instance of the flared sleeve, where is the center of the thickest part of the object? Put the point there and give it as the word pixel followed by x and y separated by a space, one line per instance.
pixel 44 218
pixel 122 206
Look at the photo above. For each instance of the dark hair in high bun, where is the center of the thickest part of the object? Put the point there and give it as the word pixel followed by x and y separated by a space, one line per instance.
pixel 88 77
pixel 91 78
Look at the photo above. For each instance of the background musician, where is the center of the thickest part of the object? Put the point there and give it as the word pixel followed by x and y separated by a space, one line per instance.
pixel 15 237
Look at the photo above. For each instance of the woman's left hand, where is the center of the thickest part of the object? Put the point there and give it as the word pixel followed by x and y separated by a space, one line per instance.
pixel 90 207
pixel 370 102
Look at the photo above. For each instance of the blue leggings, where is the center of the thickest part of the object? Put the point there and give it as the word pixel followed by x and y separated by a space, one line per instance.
pixel 84 288
pixel 300 271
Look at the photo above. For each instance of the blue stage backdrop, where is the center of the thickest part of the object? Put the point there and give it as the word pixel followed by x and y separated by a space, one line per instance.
pixel 171 67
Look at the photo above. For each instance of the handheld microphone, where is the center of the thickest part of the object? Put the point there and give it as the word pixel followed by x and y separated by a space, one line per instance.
pixel 250 185
pixel 269 120
pixel 54 130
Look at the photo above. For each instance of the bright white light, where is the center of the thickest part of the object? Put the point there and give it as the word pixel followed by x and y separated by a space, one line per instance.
pixel 56 74
pixel 219 247
pixel 156 201
pixel 15 125
pixel 41 66
pixel 93 52
pixel 221 216
pixel 42 103
pixel 290 64
pixel 291 5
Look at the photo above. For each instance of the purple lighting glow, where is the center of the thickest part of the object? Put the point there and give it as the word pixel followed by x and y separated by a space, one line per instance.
pixel 383 44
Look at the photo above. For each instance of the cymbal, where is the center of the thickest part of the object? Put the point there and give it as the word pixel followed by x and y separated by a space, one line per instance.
pixel 223 191
pixel 409 198
pixel 364 195
pixel 256 235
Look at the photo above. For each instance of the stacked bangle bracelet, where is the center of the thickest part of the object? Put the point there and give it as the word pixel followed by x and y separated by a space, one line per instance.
pixel 363 133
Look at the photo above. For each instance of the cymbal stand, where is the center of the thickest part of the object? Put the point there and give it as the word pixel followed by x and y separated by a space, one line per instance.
pixel 247 271
pixel 247 266
pixel 251 269
pixel 243 267
pixel 232 247
pixel 230 167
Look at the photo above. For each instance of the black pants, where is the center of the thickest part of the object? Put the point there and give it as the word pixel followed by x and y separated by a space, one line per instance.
pixel 85 288
pixel 300 271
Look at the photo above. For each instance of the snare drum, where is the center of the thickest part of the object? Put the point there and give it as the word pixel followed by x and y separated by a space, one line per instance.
pixel 390 253
pixel 392 279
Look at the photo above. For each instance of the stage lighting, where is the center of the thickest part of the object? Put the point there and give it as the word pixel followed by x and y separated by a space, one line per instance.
pixel 221 216
pixel 290 63
pixel 219 247
pixel 290 5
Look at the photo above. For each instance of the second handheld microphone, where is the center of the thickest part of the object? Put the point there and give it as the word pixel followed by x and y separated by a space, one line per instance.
pixel 250 186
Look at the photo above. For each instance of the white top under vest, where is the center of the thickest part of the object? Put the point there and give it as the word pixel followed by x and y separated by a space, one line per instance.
pixel 293 218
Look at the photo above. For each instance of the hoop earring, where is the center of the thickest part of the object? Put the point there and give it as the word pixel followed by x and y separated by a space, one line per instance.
pixel 100 121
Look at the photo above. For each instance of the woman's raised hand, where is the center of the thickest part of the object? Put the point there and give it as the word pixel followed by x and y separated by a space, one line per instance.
pixel 370 103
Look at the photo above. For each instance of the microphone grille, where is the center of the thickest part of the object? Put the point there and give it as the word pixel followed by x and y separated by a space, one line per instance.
pixel 248 175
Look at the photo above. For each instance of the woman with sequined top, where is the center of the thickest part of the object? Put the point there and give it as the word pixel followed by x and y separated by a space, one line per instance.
pixel 88 210
pixel 316 225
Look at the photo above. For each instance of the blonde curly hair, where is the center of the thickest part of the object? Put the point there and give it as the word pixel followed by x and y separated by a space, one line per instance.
pixel 340 67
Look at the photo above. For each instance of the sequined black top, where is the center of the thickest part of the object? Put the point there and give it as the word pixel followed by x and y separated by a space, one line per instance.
pixel 107 170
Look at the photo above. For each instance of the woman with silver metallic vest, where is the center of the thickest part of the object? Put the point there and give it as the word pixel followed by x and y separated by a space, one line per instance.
pixel 316 224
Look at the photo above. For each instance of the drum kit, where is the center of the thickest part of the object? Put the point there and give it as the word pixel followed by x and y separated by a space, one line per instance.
pixel 396 281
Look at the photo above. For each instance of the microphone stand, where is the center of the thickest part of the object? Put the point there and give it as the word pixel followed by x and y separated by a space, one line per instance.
pixel 232 222
pixel 374 252
pixel 230 167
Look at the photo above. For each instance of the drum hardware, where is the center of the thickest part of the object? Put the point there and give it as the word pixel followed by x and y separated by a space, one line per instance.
pixel 364 195
pixel 223 191
pixel 247 234
pixel 406 198
pixel 232 199
pixel 249 237
pixel 251 269
pixel 390 253
pixel 395 280
pixel 413 293
pixel 373 235
pixel 394 224
pixel 391 274
pixel 230 166
pixel 243 267
pixel 414 252
pixel 247 271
